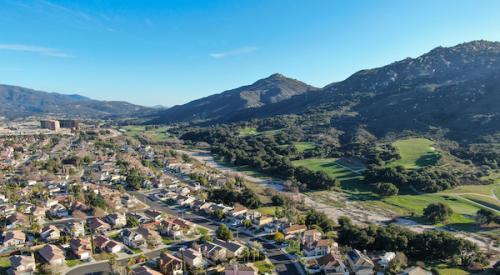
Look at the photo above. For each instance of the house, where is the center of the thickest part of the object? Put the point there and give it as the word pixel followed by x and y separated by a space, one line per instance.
pixel 116 220
pixel 169 228
pixel 100 243
pixel 188 201
pixel 238 211
pixel 80 207
pixel 22 265
pixel 52 254
pixel 38 213
pixel 16 220
pixel 194 258
pixel 76 229
pixel 81 247
pixel 262 221
pixel 234 249
pixel 294 230
pixel 239 269
pixel 113 247
pixel 129 201
pixel 212 251
pixel 149 235
pixel 386 259
pixel 175 228
pixel 50 233
pixel 132 238
pixel 310 237
pixel 169 264
pixel 98 226
pixel 153 214
pixel 415 270
pixel 144 270
pixel 320 248
pixel 359 263
pixel 332 264
pixel 58 211
pixel 14 238
pixel 50 202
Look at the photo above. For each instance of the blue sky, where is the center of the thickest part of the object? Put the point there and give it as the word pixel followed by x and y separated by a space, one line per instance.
pixel 169 52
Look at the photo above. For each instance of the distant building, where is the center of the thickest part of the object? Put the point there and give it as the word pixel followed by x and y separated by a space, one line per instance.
pixel 69 123
pixel 50 124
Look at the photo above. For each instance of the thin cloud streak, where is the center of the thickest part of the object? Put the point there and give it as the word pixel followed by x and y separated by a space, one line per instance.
pixel 234 52
pixel 34 49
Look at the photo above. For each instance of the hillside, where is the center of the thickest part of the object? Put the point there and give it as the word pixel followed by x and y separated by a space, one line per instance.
pixel 454 90
pixel 22 102
pixel 270 90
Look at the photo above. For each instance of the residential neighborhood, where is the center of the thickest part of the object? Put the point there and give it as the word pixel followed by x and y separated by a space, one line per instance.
pixel 98 202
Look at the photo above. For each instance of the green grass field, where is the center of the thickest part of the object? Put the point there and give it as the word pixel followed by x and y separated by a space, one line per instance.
pixel 156 134
pixel 4 264
pixel 415 153
pixel 268 210
pixel 304 146
pixel 252 131
pixel 337 168
pixel 248 131
pixel 462 200
pixel 264 267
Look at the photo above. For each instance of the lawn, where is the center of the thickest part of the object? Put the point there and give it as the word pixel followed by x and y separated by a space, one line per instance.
pixel 334 167
pixel 4 264
pixel 487 202
pixel 475 189
pixel 304 146
pixel 415 153
pixel 268 210
pixel 347 170
pixel 72 263
pixel 264 266
pixel 452 271
pixel 416 203
pixel 248 131
pixel 155 134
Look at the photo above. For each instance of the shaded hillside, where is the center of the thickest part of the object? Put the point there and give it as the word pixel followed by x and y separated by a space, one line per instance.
pixel 455 89
pixel 22 102
pixel 273 89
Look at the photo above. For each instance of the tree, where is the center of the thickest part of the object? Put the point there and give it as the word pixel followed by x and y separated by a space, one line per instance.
pixel 279 237
pixel 134 179
pixel 398 263
pixel 314 217
pixel 485 216
pixel 278 200
pixel 386 189
pixel 224 233
pixel 132 221
pixel 247 223
pixel 219 214
pixel 437 212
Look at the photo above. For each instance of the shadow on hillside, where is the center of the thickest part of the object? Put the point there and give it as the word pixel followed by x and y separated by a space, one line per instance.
pixel 428 159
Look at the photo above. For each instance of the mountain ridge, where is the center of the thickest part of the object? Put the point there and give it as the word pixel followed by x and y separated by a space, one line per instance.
pixel 269 90
pixel 449 88
pixel 17 101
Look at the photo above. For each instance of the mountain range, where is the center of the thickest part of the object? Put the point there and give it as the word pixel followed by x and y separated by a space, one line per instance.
pixel 454 89
pixel 23 102
pixel 270 90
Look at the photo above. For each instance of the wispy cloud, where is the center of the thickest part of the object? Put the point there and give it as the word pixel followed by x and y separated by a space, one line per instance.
pixel 234 52
pixel 34 49
pixel 71 12
pixel 65 14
